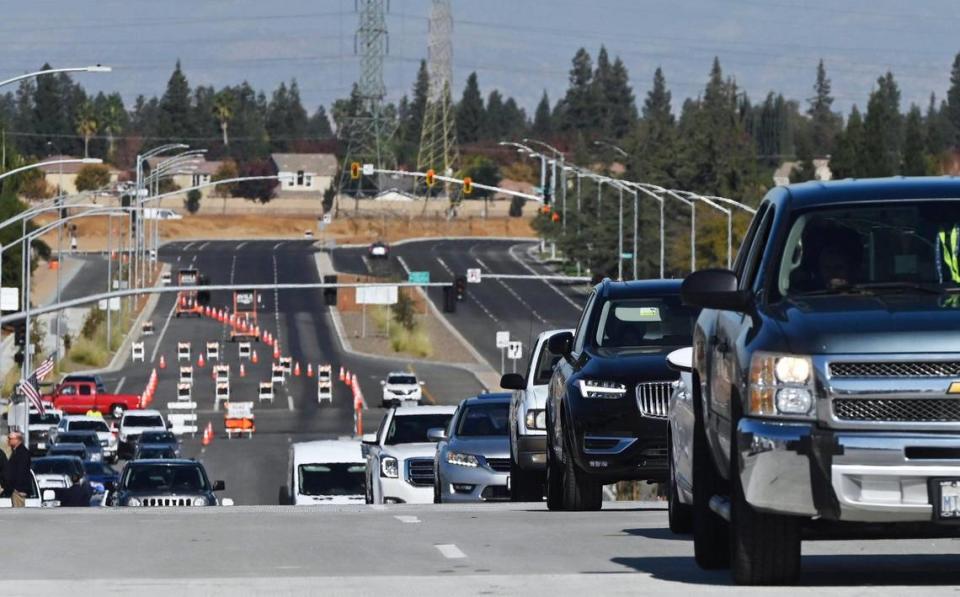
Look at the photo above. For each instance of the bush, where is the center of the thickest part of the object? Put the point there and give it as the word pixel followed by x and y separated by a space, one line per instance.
pixel 404 312
pixel 516 207
pixel 92 322
pixel 414 343
pixel 227 170
pixel 89 353
pixel 67 342
pixel 192 202
pixel 36 188
pixel 92 177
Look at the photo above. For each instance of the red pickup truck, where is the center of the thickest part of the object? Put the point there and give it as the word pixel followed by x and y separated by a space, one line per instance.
pixel 78 397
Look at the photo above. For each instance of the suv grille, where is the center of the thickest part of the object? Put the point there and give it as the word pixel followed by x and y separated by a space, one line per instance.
pixel 653 398
pixel 500 465
pixel 154 502
pixel 896 369
pixel 420 472
pixel 898 410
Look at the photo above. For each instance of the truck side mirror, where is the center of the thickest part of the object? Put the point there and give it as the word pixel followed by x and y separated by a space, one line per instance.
pixel 437 434
pixel 369 439
pixel 715 289
pixel 512 381
pixel 561 344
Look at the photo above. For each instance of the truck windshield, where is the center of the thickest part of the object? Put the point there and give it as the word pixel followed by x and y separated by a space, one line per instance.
pixel 873 247
pixel 55 466
pixel 411 429
pixel 644 322
pixel 484 420
pixel 332 478
pixel 142 421
pixel 160 477
pixel 89 426
pixel 44 419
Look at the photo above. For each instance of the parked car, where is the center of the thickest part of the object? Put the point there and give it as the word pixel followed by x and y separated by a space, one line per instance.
pixel 56 472
pixel 40 428
pixel 528 421
pixel 133 424
pixel 70 449
pixel 102 476
pixel 325 472
pixel 608 399
pixel 378 250
pixel 400 455
pixel 81 397
pixel 166 483
pixel 107 435
pixel 473 452
pixel 825 370
pixel 147 451
pixel 165 438
pixel 400 388
pixel 89 439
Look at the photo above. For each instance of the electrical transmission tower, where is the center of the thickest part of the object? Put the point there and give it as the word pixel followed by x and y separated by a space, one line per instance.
pixel 369 130
pixel 438 138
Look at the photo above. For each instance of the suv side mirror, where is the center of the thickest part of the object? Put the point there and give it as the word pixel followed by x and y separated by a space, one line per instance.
pixel 681 359
pixel 219 485
pixel 561 344
pixel 512 381
pixel 437 434
pixel 714 289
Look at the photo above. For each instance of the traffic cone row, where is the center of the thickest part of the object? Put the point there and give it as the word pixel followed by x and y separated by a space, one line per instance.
pixel 243 372
pixel 296 369
pixel 341 373
pixel 147 397
pixel 347 379
pixel 253 357
pixel 207 434
pixel 276 351
pixel 163 362
pixel 309 369
pixel 200 361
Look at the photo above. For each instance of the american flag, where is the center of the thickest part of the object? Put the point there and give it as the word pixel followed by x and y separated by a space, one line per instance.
pixel 30 389
pixel 44 368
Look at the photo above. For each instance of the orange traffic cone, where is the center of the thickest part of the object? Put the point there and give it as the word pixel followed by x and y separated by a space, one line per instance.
pixel 346 379
pixel 163 362
pixel 200 361
pixel 243 372
pixel 207 434
pixel 253 358
pixel 309 369
pixel 341 373
pixel 296 370
pixel 256 331
pixel 276 351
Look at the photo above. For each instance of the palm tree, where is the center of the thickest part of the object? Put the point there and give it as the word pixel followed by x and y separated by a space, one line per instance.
pixel 113 117
pixel 86 125
pixel 223 112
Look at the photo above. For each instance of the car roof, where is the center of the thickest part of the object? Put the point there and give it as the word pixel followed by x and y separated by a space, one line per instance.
pixel 69 446
pixel 815 193
pixel 638 288
pixel 401 373
pixel 145 412
pixel 327 450
pixel 70 418
pixel 406 411
pixel 165 462
pixel 492 397
pixel 55 457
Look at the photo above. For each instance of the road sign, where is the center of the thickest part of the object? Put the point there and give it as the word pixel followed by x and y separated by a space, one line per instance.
pixel 473 275
pixel 515 351
pixel 418 277
pixel 626 255
pixel 503 339
pixel 377 295
pixel 10 299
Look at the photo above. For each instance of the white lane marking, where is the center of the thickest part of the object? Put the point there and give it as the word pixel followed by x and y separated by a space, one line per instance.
pixel 366 263
pixel 203 246
pixel 407 519
pixel 482 264
pixel 513 293
pixel 547 282
pixel 223 331
pixel 120 384
pixel 276 246
pixel 378 507
pixel 450 551
pixel 187 246
pixel 241 245
pixel 276 312
pixel 163 330
pixel 403 264
pixel 178 258
pixel 474 298
pixel 193 259
pixel 444 265
pixel 290 402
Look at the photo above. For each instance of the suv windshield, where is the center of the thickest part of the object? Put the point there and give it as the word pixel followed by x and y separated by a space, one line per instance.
pixel 89 426
pixel 142 421
pixel 644 322
pixel 410 429
pixel 162 477
pixel 158 437
pixel 871 247
pixel 332 478
pixel 56 466
pixel 484 420
pixel 404 380
pixel 44 419
pixel 87 439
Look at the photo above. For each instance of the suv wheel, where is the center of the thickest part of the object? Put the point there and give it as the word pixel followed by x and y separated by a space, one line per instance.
pixel 554 480
pixel 580 492
pixel 437 498
pixel 765 547
pixel 711 540
pixel 368 494
pixel 680 515
pixel 525 486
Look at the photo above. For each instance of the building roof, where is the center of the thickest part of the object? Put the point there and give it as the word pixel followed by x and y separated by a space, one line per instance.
pixel 200 167
pixel 66 168
pixel 321 164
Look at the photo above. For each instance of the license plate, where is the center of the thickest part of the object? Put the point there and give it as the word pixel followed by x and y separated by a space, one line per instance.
pixel 42 445
pixel 947 499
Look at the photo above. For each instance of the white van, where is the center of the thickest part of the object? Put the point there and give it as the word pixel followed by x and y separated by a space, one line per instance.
pixel 325 472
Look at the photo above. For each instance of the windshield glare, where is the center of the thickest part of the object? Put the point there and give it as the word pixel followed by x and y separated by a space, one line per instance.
pixel 175 479
pixel 647 322
pixel 142 421
pixel 410 429
pixel 829 250
pixel 332 478
pixel 484 420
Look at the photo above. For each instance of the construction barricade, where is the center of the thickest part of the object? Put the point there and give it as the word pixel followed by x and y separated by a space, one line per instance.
pixel 183 351
pixel 265 391
pixel 213 351
pixel 136 352
pixel 239 419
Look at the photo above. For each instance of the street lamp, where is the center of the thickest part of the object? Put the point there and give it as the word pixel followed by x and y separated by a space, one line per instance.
pixel 50 163
pixel 97 68
pixel 724 210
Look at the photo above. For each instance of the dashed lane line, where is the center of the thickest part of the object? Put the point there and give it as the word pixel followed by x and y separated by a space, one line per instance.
pixel 547 282
pixel 203 246
pixel 186 247
pixel 163 330
pixel 514 294
pixel 450 551
pixel 240 246
pixel 405 519
pixel 120 384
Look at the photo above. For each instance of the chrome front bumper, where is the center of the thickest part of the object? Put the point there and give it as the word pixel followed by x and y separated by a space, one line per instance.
pixel 800 469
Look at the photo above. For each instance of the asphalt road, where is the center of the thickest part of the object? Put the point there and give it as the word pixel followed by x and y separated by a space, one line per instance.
pixel 523 307
pixel 254 469
pixel 501 549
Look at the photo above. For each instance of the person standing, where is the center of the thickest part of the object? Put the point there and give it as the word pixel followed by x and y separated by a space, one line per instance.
pixel 16 476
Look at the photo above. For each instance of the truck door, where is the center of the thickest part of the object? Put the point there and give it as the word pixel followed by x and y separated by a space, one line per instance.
pixel 86 397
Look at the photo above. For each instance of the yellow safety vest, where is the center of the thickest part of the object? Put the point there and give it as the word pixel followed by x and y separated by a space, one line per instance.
pixel 949 250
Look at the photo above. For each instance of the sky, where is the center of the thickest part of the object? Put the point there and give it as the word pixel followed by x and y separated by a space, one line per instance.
pixel 521 47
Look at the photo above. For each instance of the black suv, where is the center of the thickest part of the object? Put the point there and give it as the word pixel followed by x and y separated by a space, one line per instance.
pixel 608 397
pixel 165 483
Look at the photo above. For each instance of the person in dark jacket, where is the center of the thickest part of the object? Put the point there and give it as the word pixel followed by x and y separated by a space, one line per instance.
pixel 16 475
pixel 3 478
pixel 77 495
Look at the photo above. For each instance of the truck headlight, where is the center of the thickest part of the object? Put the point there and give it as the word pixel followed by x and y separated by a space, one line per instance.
pixel 536 418
pixel 781 385
pixel 459 459
pixel 388 467
pixel 601 389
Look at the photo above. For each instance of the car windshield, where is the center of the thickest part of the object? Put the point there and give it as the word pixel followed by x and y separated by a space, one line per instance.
pixel 142 421
pixel 161 477
pixel 484 420
pixel 156 452
pixel 404 380
pixel 47 418
pixel 54 466
pixel 89 426
pixel 98 468
pixel 65 450
pixel 332 478
pixel 545 364
pixel 411 429
pixel 158 437
pixel 87 439
pixel 873 247
pixel 644 322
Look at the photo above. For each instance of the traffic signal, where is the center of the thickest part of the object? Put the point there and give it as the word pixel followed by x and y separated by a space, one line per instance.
pixel 555 217
pixel 449 299
pixel 355 170
pixel 467 185
pixel 460 285
pixel 431 177
pixel 330 294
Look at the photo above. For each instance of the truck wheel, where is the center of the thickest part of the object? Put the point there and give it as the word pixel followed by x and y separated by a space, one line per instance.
pixel 765 547
pixel 680 515
pixel 437 498
pixel 711 540
pixel 117 410
pixel 580 492
pixel 554 480
pixel 368 494
pixel 525 486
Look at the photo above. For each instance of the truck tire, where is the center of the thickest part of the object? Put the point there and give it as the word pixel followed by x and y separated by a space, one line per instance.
pixel 580 492
pixel 554 480
pixel 368 494
pixel 117 410
pixel 765 547
pixel 711 539
pixel 679 515
pixel 437 498
pixel 525 486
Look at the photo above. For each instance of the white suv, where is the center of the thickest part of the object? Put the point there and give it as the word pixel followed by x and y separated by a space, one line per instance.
pixel 400 456
pixel 133 424
pixel 401 388
pixel 108 439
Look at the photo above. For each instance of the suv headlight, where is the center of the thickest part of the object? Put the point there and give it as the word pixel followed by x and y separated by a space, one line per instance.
pixel 536 418
pixel 601 389
pixel 134 502
pixel 388 467
pixel 462 459
pixel 199 501
pixel 781 385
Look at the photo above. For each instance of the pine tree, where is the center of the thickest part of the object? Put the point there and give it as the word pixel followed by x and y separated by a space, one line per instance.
pixel 621 104
pixel 49 118
pixel 937 127
pixel 470 112
pixel 882 129
pixel 953 102
pixel 804 169
pixel 412 125
pixel 845 162
pixel 174 122
pixel 542 119
pixel 578 108
pixel 319 125
pixel 653 147
pixel 914 144
pixel 600 101
pixel 514 120
pixel 824 122
pixel 494 119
